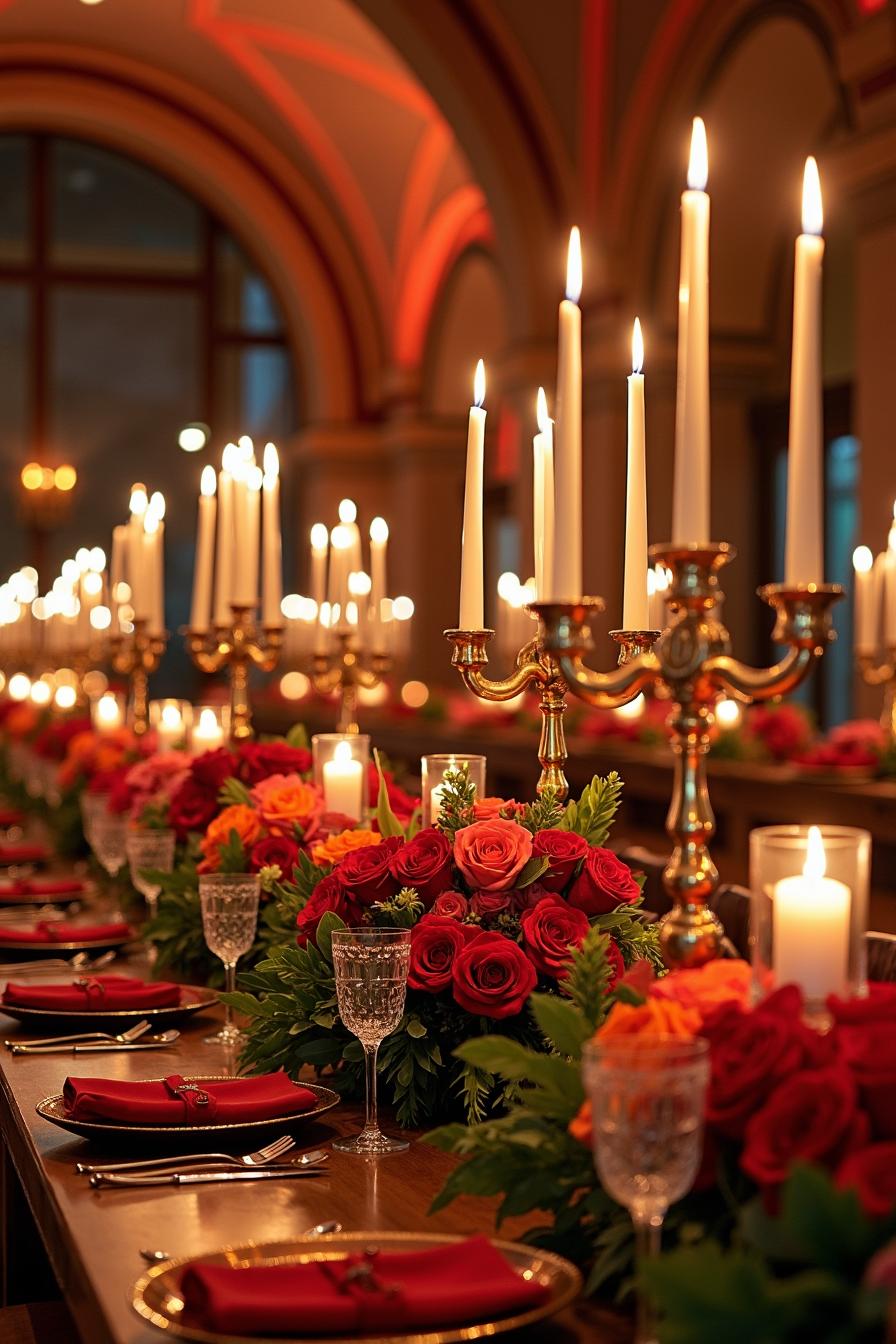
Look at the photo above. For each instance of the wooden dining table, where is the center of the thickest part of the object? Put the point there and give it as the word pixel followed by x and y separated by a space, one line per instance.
pixel 92 1238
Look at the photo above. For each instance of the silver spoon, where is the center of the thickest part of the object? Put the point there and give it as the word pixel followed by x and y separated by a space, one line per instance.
pixel 319 1230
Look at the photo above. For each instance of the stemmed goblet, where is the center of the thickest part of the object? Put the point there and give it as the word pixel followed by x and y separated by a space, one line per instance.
pixel 647 1104
pixel 371 970
pixel 150 851
pixel 229 903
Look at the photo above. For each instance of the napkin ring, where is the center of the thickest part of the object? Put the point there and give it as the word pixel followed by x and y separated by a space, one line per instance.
pixel 361 1275
pixel 185 1091
pixel 93 989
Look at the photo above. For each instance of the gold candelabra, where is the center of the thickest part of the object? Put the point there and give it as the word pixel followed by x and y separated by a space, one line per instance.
pixel 239 646
pixel 692 666
pixel 136 656
pixel 883 674
pixel 342 669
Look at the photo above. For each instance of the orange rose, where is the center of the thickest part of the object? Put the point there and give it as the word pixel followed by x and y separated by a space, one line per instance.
pixel 286 801
pixel 240 818
pixel 656 1017
pixel 336 847
pixel 706 987
pixel 579 1127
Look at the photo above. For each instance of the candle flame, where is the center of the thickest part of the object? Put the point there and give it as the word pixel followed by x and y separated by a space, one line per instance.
pixel 379 531
pixel 139 499
pixel 862 559
pixel 813 215
pixel 637 347
pixel 341 537
pixel 157 505
pixel 208 720
pixel 698 163
pixel 348 511
pixel 541 412
pixel 271 461
pixel 343 753
pixel 254 478
pixel 479 384
pixel 816 865
pixel 574 266
pixel 208 483
pixel 319 537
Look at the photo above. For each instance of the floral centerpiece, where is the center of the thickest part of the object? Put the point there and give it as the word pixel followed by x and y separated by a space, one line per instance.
pixel 496 896
pixel 790 1231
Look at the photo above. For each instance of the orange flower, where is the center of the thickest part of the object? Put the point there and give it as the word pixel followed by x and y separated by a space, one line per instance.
pixel 240 818
pixel 579 1127
pixel 656 1017
pixel 335 847
pixel 21 720
pixel 706 987
pixel 286 801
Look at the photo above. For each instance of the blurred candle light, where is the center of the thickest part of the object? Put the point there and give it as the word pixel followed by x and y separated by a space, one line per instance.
pixel 201 610
pixel 272 554
pixel 567 570
pixel 543 499
pixel 865 613
pixel 634 602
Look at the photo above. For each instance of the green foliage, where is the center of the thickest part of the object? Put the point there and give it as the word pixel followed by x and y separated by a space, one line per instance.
pixel 456 802
pixel 298 737
pixel 232 792
pixel 588 980
pixel 592 816
pixel 401 911
pixel 232 855
pixel 545 814
pixel 386 818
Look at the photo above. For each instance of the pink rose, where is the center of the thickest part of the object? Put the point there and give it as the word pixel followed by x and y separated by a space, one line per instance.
pixel 492 854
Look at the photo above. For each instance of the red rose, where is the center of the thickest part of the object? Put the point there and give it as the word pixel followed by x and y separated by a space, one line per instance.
pixel 451 904
pixel 424 863
pixel 879 1005
pixel 490 904
pixel 604 883
pixel 275 851
pixel 524 898
pixel 811 1117
pixel 871 1172
pixel 327 897
pixel 491 854
pixel 366 874
pixel 750 1054
pixel 259 760
pixel 615 963
pixel 435 942
pixel 492 976
pixel 870 1052
pixel 564 850
pixel 211 768
pixel 191 808
pixel 551 930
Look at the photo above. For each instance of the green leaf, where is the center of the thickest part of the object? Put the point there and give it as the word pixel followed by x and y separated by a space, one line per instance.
pixel 532 871
pixel 588 979
pixel 386 819
pixel 232 855
pixel 592 817
pixel 298 736
pixel 324 937
pixel 233 791
pixel 562 1024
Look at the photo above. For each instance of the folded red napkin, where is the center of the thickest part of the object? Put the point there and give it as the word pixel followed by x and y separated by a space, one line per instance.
pixel 41 886
pixel 23 854
pixel 56 931
pixel 100 993
pixel 11 816
pixel 177 1101
pixel 382 1291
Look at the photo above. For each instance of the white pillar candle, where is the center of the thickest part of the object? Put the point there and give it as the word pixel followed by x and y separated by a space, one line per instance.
pixel 108 714
pixel 340 561
pixel 155 537
pixel 320 542
pixel 878 598
pixel 245 579
pixel 170 728
pixel 865 622
pixel 379 539
pixel 117 567
pixel 139 505
pixel 811 916
pixel 887 589
pixel 224 539
pixel 543 500
pixel 348 517
pixel 804 553
pixel 472 570
pixel 208 733
pixel 634 600
pixel 690 491
pixel 344 782
pixel 567 576
pixel 201 608
pixel 272 545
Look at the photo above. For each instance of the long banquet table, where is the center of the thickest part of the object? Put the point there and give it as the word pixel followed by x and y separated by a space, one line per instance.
pixel 92 1237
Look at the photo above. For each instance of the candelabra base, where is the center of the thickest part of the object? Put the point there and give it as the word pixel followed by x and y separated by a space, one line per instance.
pixel 238 647
pixel 344 671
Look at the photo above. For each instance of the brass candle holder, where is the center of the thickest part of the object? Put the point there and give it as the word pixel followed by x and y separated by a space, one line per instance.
pixel 239 647
pixel 136 656
pixel 342 669
pixel 875 673
pixel 693 667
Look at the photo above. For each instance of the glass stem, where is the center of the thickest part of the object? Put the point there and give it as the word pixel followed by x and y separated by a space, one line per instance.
pixel 230 986
pixel 371 1123
pixel 648 1235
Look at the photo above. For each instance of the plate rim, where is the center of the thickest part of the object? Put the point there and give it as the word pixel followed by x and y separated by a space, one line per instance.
pixel 451 1335
pixel 74 1015
pixel 326 1095
pixel 85 945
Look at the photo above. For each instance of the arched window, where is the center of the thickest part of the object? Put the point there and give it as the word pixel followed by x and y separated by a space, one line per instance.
pixel 127 311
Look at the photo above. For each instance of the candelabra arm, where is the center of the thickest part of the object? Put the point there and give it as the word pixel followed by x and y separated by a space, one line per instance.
pixel 609 690
pixel 759 683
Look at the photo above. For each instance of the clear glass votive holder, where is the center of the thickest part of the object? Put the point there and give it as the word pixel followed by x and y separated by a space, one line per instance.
pixel 341 768
pixel 433 771
pixel 108 712
pixel 171 721
pixel 809 910
pixel 210 728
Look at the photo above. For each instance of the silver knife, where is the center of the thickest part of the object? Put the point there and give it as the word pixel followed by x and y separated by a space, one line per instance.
pixel 99 1178
pixel 96 1049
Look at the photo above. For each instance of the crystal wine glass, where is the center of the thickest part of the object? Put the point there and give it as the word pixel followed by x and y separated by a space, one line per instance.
pixel 93 805
pixel 371 969
pixel 229 903
pixel 647 1101
pixel 108 840
pixel 151 850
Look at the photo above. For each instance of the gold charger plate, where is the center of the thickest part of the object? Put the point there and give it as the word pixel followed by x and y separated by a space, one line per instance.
pixel 53 1109
pixel 192 1001
pixel 50 949
pixel 155 1296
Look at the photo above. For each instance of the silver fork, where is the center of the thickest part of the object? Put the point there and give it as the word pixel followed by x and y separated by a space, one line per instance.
pixel 123 1038
pixel 81 961
pixel 259 1159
